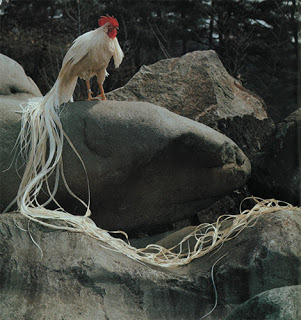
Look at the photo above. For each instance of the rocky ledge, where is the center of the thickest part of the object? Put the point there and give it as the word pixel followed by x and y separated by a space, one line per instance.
pixel 72 276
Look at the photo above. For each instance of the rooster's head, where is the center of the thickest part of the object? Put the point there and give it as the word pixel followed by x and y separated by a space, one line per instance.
pixel 111 25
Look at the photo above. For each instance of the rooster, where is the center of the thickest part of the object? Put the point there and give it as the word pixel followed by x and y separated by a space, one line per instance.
pixel 90 55
pixel 41 136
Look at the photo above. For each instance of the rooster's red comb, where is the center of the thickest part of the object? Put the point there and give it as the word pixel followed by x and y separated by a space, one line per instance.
pixel 107 19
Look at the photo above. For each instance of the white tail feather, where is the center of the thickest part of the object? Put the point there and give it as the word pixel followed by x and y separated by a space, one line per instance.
pixel 41 138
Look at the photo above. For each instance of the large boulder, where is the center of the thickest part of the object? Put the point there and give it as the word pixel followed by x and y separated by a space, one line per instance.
pixel 147 166
pixel 277 167
pixel 198 86
pixel 72 276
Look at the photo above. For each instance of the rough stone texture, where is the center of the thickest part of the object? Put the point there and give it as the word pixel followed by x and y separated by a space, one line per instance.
pixel 277 167
pixel 147 166
pixel 276 304
pixel 78 279
pixel 198 86
pixel 13 79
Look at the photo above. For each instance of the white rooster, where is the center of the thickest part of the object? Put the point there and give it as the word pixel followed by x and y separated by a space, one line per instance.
pixel 42 135
pixel 89 55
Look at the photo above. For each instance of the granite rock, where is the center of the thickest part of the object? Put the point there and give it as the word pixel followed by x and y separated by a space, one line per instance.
pixel 146 165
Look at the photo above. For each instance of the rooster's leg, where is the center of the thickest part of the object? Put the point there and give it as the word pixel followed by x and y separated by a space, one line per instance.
pixel 89 90
pixel 102 93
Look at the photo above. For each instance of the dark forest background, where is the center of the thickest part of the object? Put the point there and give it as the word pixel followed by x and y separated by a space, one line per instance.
pixel 256 40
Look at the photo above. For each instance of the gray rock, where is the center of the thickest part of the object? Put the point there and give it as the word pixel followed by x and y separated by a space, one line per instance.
pixel 78 278
pixel 147 166
pixel 277 167
pixel 276 304
pixel 13 79
pixel 198 86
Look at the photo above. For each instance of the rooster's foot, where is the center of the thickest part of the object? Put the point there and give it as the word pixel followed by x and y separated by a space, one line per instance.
pixel 101 97
pixel 95 98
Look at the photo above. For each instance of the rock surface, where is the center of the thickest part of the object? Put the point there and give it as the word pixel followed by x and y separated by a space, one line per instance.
pixel 198 86
pixel 276 304
pixel 77 278
pixel 277 168
pixel 13 79
pixel 147 166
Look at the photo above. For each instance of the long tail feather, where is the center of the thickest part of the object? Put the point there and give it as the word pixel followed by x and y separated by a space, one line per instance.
pixel 41 139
